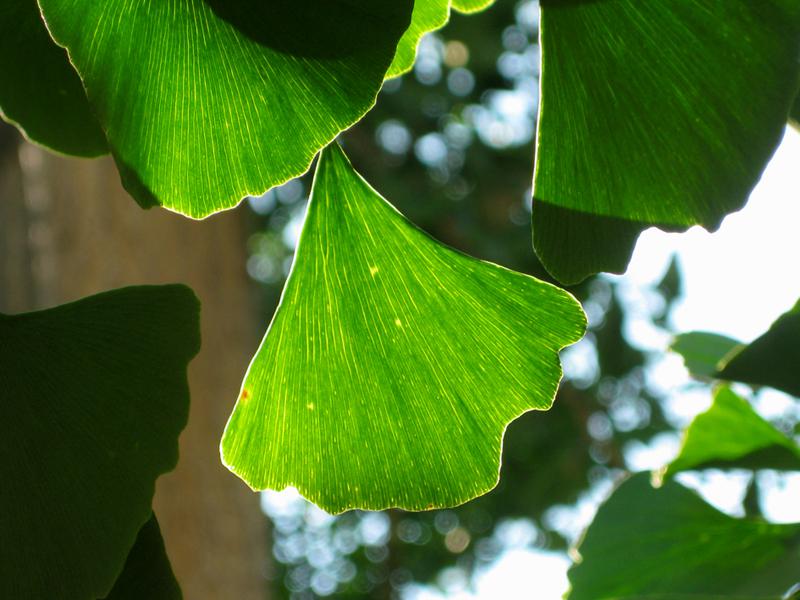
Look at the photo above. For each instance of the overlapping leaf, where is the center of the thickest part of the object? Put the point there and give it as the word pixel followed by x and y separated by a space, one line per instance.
pixel 206 101
pixel 647 542
pixel 39 90
pixel 93 398
pixel 732 434
pixel 772 359
pixel 393 363
pixel 703 352
pixel 429 15
pixel 653 114
pixel 147 574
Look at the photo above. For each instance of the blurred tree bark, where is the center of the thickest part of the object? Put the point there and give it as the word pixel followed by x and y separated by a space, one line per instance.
pixel 67 230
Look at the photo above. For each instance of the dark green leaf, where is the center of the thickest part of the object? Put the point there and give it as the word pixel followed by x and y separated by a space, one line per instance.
pixel 772 359
pixel 703 352
pixel 393 364
pixel 653 114
pixel 39 90
pixel 732 434
pixel 206 101
pixel 93 397
pixel 794 115
pixel 645 542
pixel 147 574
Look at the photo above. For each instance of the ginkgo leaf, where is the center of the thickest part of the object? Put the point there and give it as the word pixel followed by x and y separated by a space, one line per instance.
pixel 147 574
pixel 703 351
pixel 772 359
pixel 647 542
pixel 206 101
pixel 93 397
pixel 471 6
pixel 794 115
pixel 40 92
pixel 428 16
pixel 732 434
pixel 653 114
pixel 393 363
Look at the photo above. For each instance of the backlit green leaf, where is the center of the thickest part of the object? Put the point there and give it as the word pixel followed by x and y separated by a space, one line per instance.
pixel 772 359
pixel 471 6
pixel 653 114
pixel 732 434
pixel 645 542
pixel 394 363
pixel 428 15
pixel 147 574
pixel 206 101
pixel 39 90
pixel 703 352
pixel 93 397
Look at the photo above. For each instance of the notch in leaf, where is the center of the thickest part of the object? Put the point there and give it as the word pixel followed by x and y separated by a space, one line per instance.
pixel 653 114
pixel 393 363
pixel 94 396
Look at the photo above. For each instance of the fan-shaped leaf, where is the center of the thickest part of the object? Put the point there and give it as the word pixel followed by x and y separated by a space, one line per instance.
pixel 732 434
pixel 645 542
pixel 206 101
pixel 703 352
pixel 93 397
pixel 393 364
pixel 39 90
pixel 653 114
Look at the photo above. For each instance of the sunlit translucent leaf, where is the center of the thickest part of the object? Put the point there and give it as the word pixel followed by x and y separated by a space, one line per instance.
pixel 206 101
pixel 93 397
pixel 471 6
pixel 394 363
pixel 773 359
pixel 646 542
pixel 428 15
pixel 653 114
pixel 147 573
pixel 39 90
pixel 703 352
pixel 732 434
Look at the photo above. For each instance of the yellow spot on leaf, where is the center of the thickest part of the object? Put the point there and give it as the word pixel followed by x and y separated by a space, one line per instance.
pixel 373 271
pixel 398 322
pixel 310 406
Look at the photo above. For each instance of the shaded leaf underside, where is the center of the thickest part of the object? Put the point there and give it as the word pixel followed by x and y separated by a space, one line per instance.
pixel 147 574
pixel 772 359
pixel 93 398
pixel 204 101
pixel 39 90
pixel 393 363
pixel 649 542
pixel 653 114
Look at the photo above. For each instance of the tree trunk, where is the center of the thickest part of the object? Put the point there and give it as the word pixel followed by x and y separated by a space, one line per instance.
pixel 69 230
